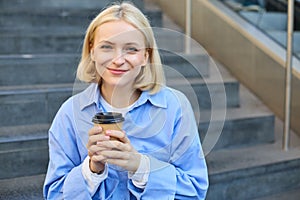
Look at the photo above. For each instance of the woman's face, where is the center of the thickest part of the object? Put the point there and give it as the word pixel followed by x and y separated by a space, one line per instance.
pixel 119 53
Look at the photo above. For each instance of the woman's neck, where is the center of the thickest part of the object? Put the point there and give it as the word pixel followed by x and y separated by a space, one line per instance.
pixel 119 97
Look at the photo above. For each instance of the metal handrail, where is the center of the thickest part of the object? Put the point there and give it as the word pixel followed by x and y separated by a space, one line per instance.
pixel 289 54
pixel 188 25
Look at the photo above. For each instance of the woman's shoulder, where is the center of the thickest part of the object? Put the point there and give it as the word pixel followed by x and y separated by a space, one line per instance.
pixel 172 97
pixel 79 99
pixel 172 93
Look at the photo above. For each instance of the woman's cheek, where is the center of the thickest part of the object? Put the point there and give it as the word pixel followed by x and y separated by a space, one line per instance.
pixel 136 60
pixel 101 66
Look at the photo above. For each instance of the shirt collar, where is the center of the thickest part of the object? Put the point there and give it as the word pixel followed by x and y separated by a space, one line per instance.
pixel 91 95
pixel 158 100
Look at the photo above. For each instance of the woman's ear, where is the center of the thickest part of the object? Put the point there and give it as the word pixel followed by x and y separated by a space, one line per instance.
pixel 92 54
pixel 146 58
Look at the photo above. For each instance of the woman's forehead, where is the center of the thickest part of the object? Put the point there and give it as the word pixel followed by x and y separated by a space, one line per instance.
pixel 118 31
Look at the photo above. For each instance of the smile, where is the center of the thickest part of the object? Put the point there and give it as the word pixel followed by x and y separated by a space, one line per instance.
pixel 117 71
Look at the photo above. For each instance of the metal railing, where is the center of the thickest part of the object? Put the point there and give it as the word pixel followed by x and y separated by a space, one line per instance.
pixel 289 56
pixel 288 63
pixel 188 25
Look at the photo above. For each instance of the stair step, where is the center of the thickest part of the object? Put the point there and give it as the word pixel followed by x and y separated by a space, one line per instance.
pixel 41 40
pixel 59 17
pixel 44 100
pixel 31 104
pixel 66 4
pixel 28 187
pixel 249 173
pixel 259 124
pixel 293 194
pixel 249 124
pixel 29 69
pixel 23 150
pixel 69 40
pixel 187 65
pixel 24 162
pixel 203 93
pixel 22 137
pixel 31 149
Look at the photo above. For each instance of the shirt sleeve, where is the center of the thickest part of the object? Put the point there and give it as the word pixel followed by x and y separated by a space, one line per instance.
pixel 140 177
pixel 93 179
pixel 64 170
pixel 65 162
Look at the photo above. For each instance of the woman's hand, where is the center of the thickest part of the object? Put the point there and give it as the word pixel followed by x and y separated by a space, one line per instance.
pixel 119 152
pixel 97 161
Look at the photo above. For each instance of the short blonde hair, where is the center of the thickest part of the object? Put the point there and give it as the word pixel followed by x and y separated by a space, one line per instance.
pixel 151 76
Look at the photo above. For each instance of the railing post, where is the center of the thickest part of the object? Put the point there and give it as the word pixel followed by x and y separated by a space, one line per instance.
pixel 289 57
pixel 188 25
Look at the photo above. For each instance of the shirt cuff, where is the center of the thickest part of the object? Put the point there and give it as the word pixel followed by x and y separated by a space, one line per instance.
pixel 140 177
pixel 93 180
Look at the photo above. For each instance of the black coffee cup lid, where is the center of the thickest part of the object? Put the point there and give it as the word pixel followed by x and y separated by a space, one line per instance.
pixel 107 118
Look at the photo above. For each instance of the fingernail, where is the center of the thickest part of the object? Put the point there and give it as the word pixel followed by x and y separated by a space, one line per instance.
pixel 108 132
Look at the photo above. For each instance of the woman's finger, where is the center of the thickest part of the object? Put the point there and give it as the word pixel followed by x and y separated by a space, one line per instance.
pixel 98 158
pixel 94 149
pixel 95 130
pixel 117 145
pixel 127 160
pixel 93 139
pixel 121 135
pixel 111 154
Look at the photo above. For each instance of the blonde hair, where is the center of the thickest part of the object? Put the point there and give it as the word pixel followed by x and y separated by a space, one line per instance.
pixel 151 76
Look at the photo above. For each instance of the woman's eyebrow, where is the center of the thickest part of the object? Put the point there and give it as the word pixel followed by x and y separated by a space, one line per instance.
pixel 105 41
pixel 135 44
pixel 132 43
pixel 126 44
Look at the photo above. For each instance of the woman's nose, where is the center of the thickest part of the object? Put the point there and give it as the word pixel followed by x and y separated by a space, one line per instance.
pixel 119 58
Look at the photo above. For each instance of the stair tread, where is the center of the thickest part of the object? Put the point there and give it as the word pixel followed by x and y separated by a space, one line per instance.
pixel 249 157
pixel 61 11
pixel 28 187
pixel 11 58
pixel 252 108
pixel 174 81
pixel 43 31
pixel 230 160
pixel 23 132
pixel 215 73
pixel 16 57
pixel 293 194
pixel 37 88
pixel 25 4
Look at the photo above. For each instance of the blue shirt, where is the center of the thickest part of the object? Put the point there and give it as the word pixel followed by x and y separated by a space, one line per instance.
pixel 161 126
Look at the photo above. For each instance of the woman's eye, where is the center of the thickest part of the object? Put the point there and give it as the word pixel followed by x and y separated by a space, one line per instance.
pixel 106 47
pixel 131 50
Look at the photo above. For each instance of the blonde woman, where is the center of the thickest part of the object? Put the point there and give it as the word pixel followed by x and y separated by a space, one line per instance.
pixel 158 154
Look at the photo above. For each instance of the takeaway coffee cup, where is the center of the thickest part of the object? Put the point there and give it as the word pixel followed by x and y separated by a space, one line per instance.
pixel 108 121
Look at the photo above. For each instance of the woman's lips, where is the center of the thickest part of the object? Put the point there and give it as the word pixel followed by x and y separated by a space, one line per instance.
pixel 117 71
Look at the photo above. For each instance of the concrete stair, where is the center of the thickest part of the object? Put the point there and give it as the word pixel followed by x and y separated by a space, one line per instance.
pixel 38 66
pixel 57 4
pixel 26 187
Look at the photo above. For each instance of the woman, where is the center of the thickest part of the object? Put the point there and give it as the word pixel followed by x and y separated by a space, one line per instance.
pixel 158 154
